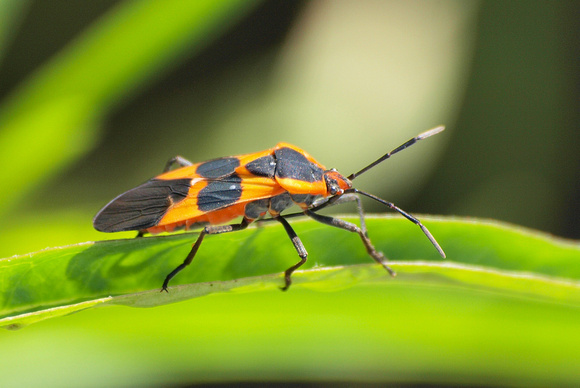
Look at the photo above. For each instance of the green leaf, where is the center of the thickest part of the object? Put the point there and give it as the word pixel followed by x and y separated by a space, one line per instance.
pixel 53 118
pixel 503 309
pixel 481 255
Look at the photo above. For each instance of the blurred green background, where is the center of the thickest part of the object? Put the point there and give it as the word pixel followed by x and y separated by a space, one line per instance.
pixel 96 96
pixel 345 81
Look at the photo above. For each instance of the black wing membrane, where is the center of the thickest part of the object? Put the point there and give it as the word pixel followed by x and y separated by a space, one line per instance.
pixel 220 193
pixel 142 207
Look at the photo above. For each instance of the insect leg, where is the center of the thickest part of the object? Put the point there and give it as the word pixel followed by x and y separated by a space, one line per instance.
pixel 179 160
pixel 336 200
pixel 407 216
pixel 349 197
pixel 338 223
pixel 340 199
pixel 218 229
pixel 299 248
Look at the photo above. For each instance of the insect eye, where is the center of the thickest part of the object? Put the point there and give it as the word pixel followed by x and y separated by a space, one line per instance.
pixel 332 185
pixel 336 190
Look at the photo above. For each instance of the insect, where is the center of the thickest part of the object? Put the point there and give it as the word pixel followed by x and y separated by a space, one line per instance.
pixel 212 193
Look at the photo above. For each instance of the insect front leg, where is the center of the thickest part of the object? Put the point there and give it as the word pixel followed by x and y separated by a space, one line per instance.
pixel 179 160
pixel 219 229
pixel 342 224
pixel 336 200
pixel 299 248
pixel 340 199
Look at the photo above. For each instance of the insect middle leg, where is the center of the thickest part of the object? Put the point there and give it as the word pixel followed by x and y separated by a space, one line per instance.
pixel 219 229
pixel 336 200
pixel 342 224
pixel 299 248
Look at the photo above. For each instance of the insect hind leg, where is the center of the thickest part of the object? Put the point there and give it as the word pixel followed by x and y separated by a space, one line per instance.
pixel 342 224
pixel 219 229
pixel 179 160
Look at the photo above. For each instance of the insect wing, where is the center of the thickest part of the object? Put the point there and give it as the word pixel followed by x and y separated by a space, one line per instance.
pixel 208 199
pixel 142 207
pixel 191 194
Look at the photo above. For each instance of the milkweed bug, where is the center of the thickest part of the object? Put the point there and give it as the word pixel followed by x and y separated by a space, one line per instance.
pixel 209 194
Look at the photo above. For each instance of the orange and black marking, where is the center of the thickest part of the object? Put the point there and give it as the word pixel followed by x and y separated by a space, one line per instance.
pixel 212 193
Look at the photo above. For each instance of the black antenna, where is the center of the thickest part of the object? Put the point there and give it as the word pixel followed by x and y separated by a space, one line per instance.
pixel 408 143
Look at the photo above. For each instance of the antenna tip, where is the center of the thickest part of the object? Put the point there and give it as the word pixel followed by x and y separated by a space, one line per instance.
pixel 431 132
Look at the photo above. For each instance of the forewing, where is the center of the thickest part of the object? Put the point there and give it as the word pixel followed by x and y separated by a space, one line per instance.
pixel 142 207
pixel 213 195
pixel 192 194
